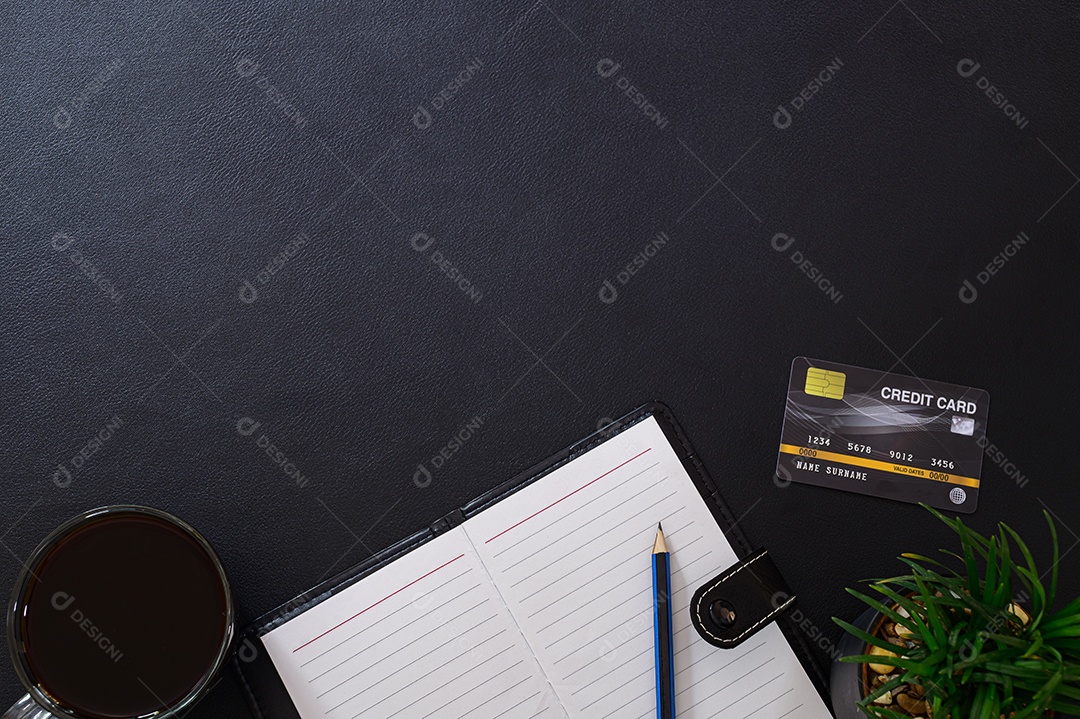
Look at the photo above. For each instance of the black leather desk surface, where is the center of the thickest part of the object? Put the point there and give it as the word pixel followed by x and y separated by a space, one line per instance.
pixel 154 159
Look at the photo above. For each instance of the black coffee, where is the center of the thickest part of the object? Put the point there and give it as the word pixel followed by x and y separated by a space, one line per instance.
pixel 125 616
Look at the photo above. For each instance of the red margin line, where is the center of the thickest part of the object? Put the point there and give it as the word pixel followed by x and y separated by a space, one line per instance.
pixel 566 497
pixel 378 603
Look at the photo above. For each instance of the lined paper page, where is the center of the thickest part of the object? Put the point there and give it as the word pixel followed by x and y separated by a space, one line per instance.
pixel 426 636
pixel 570 555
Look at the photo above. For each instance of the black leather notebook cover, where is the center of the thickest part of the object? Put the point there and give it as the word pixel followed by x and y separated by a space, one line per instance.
pixel 266 692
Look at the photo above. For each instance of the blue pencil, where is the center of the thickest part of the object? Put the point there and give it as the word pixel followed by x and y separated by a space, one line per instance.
pixel 665 656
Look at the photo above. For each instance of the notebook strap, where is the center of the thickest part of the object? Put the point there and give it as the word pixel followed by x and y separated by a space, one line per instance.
pixel 735 604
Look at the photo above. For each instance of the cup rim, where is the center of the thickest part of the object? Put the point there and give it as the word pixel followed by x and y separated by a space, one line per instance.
pixel 17 603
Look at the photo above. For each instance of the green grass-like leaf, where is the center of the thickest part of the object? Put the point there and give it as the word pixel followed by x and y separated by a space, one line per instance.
pixel 973 654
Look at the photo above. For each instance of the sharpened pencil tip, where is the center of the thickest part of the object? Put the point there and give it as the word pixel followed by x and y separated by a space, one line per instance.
pixel 660 546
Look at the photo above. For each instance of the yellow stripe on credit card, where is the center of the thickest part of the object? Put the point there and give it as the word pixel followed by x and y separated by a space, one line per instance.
pixel 933 475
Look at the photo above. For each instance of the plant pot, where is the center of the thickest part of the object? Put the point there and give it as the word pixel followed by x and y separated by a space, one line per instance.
pixel 845 679
pixel 849 683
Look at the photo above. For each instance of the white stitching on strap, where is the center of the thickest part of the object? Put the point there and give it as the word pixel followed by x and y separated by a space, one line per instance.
pixel 767 617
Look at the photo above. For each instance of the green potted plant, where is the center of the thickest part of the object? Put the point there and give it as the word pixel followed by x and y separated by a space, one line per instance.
pixel 972 637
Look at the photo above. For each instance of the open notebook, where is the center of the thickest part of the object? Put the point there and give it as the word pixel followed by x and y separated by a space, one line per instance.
pixel 540 606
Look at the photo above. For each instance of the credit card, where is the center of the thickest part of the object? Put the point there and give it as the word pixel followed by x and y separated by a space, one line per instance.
pixel 883 434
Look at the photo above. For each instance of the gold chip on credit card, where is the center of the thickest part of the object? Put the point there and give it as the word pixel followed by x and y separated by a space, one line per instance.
pixel 825 383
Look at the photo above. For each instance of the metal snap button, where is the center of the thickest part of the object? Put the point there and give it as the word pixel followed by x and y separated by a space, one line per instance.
pixel 721 612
